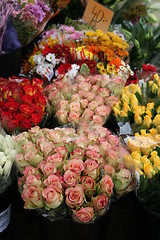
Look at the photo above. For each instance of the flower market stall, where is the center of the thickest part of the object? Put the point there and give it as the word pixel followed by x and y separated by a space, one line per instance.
pixel 79 120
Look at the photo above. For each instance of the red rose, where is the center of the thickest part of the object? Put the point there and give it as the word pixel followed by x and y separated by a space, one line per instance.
pixel 10 125
pixel 20 117
pixel 27 99
pixel 25 125
pixel 37 108
pixel 40 99
pixel 6 115
pixel 36 118
pixel 26 109
pixel 13 106
pixel 38 82
pixel 29 89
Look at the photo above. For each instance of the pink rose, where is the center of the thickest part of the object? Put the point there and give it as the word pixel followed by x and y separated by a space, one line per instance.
pixel 77 153
pixel 109 170
pixel 100 203
pixel 89 185
pixel 112 157
pixel 70 178
pixel 98 120
pixel 56 159
pixel 62 150
pixel 85 214
pixel 40 140
pixel 29 146
pixel 84 103
pixel 74 117
pixel 74 87
pixel 75 165
pixel 99 100
pixel 21 162
pixel 53 199
pixel 21 182
pixel 93 105
pixel 63 105
pixel 113 140
pixel 111 101
pixel 90 96
pixel 104 92
pixel 85 86
pixel 33 180
pixel 107 184
pixel 103 111
pixel 74 196
pixel 47 168
pixel 103 132
pixel 74 107
pixel 81 142
pixel 62 116
pixel 87 115
pixel 75 98
pixel 91 168
pixel 46 147
pixel 33 158
pixel 122 179
pixel 32 196
pixel 104 147
pixel 54 181
pixel 29 170
pixel 105 80
pixel 95 89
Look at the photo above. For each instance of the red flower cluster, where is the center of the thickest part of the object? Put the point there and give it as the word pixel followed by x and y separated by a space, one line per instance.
pixel 22 103
pixel 149 68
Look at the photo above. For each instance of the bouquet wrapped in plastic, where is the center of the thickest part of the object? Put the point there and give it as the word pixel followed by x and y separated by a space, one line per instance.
pixel 67 172
pixel 7 158
pixel 22 103
pixel 139 105
pixel 84 99
pixel 145 158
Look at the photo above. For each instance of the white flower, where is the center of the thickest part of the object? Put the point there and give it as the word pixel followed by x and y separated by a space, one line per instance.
pixel 50 57
pixel 7 168
pixel 73 72
pixel 39 59
pixel 1 170
pixel 45 70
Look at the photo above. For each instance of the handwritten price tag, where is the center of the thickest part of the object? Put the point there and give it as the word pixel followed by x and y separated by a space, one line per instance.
pixel 97 15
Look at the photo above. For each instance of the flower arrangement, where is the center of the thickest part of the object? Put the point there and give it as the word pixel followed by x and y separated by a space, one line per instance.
pixel 102 53
pixel 80 169
pixel 7 153
pixel 85 100
pixel 139 105
pixel 22 103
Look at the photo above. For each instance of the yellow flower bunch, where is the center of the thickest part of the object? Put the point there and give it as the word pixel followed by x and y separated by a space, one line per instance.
pixel 153 86
pixel 144 157
pixel 108 43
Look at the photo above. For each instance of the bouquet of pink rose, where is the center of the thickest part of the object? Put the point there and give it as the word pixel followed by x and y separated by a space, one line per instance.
pixel 64 170
pixel 86 99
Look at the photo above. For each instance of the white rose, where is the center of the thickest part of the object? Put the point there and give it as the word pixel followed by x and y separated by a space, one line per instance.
pixel 1 170
pixel 7 168
pixel 3 159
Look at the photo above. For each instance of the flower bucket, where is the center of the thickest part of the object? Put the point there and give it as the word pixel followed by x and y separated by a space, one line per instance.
pixel 10 63
pixel 5 208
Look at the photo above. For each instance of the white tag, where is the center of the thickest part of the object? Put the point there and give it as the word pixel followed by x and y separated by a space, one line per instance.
pixel 125 129
pixel 5 218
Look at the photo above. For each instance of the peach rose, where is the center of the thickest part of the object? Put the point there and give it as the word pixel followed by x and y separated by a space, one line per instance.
pixel 84 103
pixel 56 159
pixel 89 185
pixel 32 196
pixel 100 203
pixel 104 92
pixel 70 178
pixel 33 180
pixel 52 198
pixel 76 165
pixel 109 170
pixel 46 147
pixel 74 196
pixel 47 168
pixel 85 214
pixel 74 117
pixel 74 107
pixel 77 153
pixel 54 181
pixel 93 105
pixel 29 170
pixel 103 110
pixel 90 96
pixel 91 168
pixel 62 116
pixel 107 184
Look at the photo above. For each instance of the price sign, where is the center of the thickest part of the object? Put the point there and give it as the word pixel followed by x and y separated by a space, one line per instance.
pixel 98 15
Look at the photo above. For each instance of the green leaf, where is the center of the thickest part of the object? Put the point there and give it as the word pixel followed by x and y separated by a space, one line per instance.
pixel 152 17
pixel 84 69
pixel 157 104
pixel 131 116
pixel 139 97
pixel 158 46
pixel 158 150
pixel 155 6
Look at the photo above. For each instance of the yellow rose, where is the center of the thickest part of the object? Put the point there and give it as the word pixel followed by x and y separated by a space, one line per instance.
pixel 153 131
pixel 125 97
pixel 148 112
pixel 139 109
pixel 150 106
pixel 156 120
pixel 158 129
pixel 154 155
pixel 143 132
pixel 150 83
pixel 136 155
pixel 134 101
pixel 137 119
pixel 133 145
pixel 123 114
pixel 156 77
pixel 147 121
pixel 126 107
pixel 158 82
pixel 133 88
pixel 148 170
pixel 154 88
pixel 129 161
pixel 145 159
